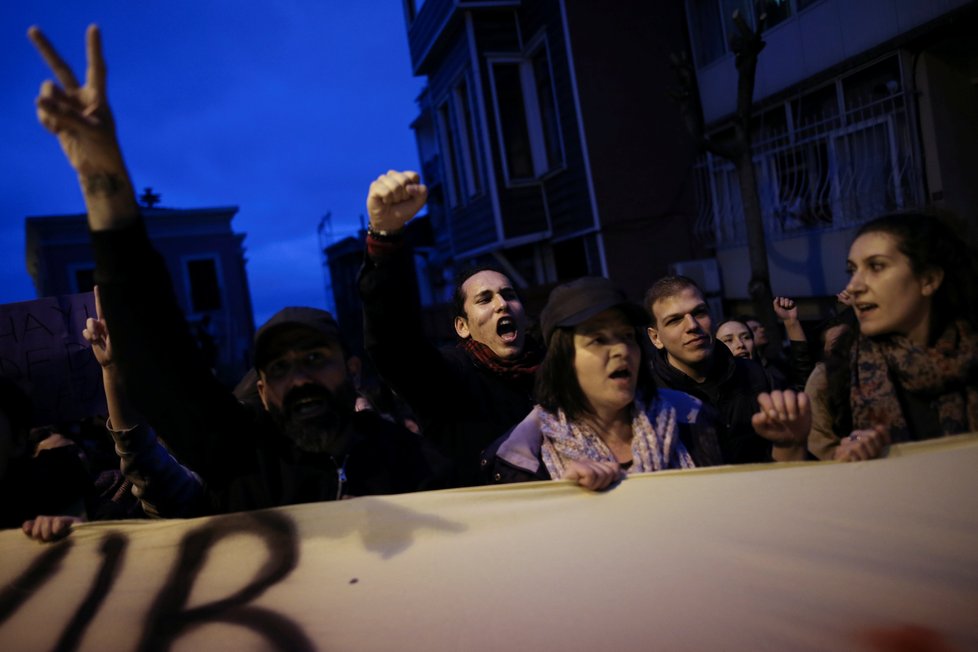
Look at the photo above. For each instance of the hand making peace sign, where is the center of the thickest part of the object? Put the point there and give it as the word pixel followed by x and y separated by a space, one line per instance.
pixel 78 115
pixel 81 119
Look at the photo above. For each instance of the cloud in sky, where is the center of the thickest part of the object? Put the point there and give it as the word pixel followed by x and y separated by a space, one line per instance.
pixel 286 109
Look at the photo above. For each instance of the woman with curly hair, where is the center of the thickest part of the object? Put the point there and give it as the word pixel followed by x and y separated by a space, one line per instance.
pixel 911 370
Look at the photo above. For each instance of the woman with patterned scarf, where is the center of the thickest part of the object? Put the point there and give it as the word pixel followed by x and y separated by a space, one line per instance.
pixel 911 372
pixel 599 416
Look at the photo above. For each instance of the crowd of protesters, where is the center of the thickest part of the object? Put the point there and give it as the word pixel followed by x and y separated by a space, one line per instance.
pixel 612 387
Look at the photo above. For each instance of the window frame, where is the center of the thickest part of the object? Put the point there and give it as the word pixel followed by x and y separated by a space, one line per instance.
pixel 446 143
pixel 533 116
pixel 73 269
pixel 467 141
pixel 215 258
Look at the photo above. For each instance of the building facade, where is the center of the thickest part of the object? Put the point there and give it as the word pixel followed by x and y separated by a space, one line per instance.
pixel 861 108
pixel 548 141
pixel 552 148
pixel 205 259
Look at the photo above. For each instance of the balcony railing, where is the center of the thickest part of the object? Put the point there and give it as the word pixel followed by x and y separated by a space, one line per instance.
pixel 824 174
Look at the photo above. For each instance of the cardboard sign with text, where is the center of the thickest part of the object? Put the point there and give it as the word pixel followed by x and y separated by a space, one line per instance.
pixel 42 350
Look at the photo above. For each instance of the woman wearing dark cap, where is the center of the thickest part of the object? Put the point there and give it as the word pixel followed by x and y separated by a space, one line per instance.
pixel 598 415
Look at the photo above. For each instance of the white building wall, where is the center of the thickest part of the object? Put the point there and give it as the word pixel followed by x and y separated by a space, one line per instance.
pixel 810 265
pixel 822 36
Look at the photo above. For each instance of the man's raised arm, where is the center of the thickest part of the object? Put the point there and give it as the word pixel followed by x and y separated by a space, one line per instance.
pixel 165 377
pixel 393 333
pixel 393 199
pixel 81 119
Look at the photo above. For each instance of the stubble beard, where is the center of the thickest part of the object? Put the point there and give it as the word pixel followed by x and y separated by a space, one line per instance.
pixel 324 433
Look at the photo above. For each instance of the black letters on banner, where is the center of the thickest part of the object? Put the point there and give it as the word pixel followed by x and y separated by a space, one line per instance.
pixel 113 546
pixel 26 584
pixel 168 619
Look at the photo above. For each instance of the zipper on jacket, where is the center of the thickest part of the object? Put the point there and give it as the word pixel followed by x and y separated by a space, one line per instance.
pixel 340 475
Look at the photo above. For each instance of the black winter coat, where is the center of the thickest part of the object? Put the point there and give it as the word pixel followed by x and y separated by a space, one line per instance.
pixel 242 456
pixel 731 388
pixel 461 406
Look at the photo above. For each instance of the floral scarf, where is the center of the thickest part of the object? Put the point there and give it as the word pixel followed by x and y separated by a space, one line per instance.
pixel 946 374
pixel 654 446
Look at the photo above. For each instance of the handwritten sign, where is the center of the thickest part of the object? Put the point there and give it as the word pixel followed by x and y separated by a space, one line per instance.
pixel 807 556
pixel 42 350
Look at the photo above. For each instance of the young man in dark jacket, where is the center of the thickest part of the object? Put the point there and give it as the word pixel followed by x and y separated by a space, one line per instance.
pixel 464 396
pixel 306 444
pixel 686 359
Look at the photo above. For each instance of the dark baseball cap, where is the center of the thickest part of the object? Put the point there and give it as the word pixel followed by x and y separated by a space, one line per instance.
pixel 574 303
pixel 314 319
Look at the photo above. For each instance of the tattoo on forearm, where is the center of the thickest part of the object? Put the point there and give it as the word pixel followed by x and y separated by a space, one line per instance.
pixel 105 185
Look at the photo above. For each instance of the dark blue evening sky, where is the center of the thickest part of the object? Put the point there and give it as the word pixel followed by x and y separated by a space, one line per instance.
pixel 286 109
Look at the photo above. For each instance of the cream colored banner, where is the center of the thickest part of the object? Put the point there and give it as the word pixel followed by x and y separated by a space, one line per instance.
pixel 819 556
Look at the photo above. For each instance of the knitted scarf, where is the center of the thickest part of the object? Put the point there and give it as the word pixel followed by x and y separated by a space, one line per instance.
pixel 521 369
pixel 945 374
pixel 654 447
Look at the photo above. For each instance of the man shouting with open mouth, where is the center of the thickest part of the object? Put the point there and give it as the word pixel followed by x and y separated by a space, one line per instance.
pixel 464 396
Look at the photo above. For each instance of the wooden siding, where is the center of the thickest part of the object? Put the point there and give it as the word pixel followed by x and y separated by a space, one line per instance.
pixel 454 59
pixel 495 31
pixel 470 223
pixel 426 29
pixel 433 23
pixel 566 190
pixel 473 226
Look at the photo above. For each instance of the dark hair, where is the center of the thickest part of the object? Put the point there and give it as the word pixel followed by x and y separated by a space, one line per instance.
pixel 557 386
pixel 734 319
pixel 845 318
pixel 931 242
pixel 458 295
pixel 665 287
pixel 556 383
pixel 837 370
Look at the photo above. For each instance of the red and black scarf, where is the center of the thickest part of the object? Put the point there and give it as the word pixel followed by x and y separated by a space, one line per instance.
pixel 521 369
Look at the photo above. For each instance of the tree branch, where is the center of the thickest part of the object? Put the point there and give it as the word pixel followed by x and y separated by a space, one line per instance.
pixel 746 44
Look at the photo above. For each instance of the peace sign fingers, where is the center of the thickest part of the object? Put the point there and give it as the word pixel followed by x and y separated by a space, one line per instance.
pixel 62 71
pixel 95 75
pixel 98 302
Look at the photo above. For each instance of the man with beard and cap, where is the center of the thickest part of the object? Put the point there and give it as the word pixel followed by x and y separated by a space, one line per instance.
pixel 464 396
pixel 759 425
pixel 306 443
